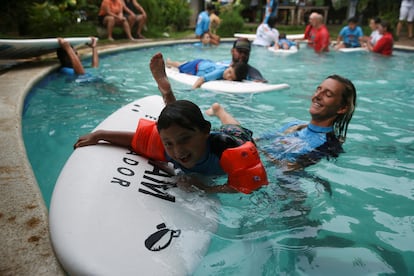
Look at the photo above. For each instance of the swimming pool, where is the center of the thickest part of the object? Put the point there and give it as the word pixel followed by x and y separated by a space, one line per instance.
pixel 293 226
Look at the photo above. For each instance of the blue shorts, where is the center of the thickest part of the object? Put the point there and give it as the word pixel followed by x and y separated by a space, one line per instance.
pixel 190 67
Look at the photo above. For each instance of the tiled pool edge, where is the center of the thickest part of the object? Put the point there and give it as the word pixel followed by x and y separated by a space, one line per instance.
pixel 26 247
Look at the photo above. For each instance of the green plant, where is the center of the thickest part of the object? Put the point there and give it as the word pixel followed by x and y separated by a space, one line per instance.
pixel 167 15
pixel 232 22
pixel 47 19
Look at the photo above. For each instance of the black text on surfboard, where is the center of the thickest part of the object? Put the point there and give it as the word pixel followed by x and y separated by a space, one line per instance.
pixel 152 184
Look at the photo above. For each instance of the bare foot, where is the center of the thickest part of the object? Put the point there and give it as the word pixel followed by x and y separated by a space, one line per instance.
pixel 214 109
pixel 224 117
pixel 157 67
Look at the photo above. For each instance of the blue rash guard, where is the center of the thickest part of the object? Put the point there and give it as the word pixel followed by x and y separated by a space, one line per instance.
pixel 205 68
pixel 228 136
pixel 203 23
pixel 306 145
pixel 351 37
pixel 87 77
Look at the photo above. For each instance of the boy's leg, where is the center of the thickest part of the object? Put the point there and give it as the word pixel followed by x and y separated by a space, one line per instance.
pixel 157 67
pixel 219 111
pixel 171 63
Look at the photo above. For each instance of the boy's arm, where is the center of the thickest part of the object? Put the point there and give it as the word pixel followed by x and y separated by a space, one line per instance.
pixel 95 56
pixel 76 63
pixel 119 138
pixel 186 182
pixel 198 82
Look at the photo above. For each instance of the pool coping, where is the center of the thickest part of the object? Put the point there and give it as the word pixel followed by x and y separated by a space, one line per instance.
pixel 26 246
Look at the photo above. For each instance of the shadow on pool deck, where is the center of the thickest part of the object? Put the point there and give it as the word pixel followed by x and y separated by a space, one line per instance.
pixel 25 244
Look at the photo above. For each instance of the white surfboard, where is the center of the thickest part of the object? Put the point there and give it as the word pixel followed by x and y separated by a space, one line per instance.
pixel 356 49
pixel 27 48
pixel 113 213
pixel 291 50
pixel 253 36
pixel 225 86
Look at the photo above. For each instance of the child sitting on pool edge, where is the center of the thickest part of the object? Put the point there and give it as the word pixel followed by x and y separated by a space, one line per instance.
pixel 182 136
pixel 208 70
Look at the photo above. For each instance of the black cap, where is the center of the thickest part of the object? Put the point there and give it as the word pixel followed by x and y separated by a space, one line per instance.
pixel 242 43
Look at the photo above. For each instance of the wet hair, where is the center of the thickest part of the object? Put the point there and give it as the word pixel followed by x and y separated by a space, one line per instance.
pixel 271 21
pixel 240 69
pixel 282 36
pixel 184 114
pixel 348 99
pixel 63 57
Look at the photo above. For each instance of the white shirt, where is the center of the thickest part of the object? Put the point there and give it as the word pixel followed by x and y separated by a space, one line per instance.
pixel 375 36
pixel 265 36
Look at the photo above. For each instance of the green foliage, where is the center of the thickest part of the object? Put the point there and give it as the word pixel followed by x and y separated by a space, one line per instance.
pixel 166 15
pixel 389 11
pixel 231 20
pixel 48 19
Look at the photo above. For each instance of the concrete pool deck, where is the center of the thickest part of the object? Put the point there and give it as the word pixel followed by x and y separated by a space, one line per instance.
pixel 26 247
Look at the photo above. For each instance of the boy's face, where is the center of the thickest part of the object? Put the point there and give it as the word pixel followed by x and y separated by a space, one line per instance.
pixel 206 39
pixel 184 145
pixel 351 25
pixel 229 74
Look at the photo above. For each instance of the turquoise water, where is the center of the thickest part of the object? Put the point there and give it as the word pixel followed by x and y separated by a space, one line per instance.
pixel 293 226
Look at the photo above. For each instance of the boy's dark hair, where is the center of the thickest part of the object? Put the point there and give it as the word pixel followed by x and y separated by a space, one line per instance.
pixel 63 57
pixel 377 20
pixel 240 69
pixel 184 114
pixel 210 7
pixel 353 19
pixel 282 35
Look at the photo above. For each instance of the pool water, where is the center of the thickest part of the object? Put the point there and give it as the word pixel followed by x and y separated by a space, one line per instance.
pixel 351 215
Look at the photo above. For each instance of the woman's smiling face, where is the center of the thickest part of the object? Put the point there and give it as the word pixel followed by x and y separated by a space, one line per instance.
pixel 186 146
pixel 327 101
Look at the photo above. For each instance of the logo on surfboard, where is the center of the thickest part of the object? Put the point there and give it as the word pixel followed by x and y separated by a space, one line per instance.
pixel 162 238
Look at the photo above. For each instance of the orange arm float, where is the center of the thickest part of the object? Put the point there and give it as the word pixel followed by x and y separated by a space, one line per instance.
pixel 245 171
pixel 147 141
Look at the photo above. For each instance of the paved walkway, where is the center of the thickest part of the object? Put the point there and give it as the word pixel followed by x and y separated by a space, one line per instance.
pixel 24 237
